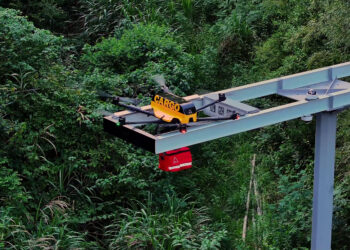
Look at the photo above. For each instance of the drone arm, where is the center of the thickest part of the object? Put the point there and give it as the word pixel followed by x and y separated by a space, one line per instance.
pixel 222 98
pixel 116 102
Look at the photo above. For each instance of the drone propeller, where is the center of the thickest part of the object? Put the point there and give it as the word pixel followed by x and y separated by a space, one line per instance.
pixel 104 112
pixel 104 96
pixel 161 82
pixel 116 100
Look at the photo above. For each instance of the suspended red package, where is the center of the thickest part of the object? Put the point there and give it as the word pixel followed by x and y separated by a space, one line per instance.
pixel 175 160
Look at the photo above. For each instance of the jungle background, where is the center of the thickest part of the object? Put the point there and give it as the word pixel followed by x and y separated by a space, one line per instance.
pixel 66 184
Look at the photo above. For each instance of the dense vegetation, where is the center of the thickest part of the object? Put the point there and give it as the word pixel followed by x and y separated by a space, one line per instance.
pixel 65 184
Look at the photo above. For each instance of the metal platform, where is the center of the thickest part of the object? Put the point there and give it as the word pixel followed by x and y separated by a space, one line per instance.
pixel 313 92
pixel 331 94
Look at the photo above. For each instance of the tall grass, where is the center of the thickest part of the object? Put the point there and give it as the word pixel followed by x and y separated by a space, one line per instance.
pixel 178 224
pixel 50 229
pixel 103 17
pixel 187 6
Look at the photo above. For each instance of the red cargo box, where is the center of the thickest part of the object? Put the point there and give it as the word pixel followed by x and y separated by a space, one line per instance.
pixel 175 160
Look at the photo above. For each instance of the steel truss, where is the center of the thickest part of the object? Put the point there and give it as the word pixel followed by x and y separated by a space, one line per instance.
pixel 317 92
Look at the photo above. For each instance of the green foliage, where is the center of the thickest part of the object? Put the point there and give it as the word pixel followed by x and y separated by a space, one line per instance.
pixel 292 227
pixel 314 43
pixel 177 224
pixel 52 230
pixel 141 52
pixel 102 17
pixel 11 191
pixel 237 38
pixel 53 139
pixel 133 49
pixel 56 15
pixel 65 184
pixel 25 48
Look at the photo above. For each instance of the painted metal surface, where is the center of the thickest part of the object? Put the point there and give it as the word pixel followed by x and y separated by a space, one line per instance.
pixel 322 209
pixel 323 88
pixel 264 118
pixel 303 79
pixel 227 107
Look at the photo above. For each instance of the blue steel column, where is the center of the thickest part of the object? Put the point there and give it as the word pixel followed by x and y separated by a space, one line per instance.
pixel 326 125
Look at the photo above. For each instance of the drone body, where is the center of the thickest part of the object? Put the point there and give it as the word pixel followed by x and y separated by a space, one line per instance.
pixel 172 110
pixel 169 109
pixel 169 112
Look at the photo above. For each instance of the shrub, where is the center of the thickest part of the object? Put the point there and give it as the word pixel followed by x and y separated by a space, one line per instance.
pixel 23 47
pixel 104 17
pixel 55 15
pixel 236 39
pixel 141 52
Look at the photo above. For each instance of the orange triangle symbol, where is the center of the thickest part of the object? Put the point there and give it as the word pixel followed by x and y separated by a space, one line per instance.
pixel 175 160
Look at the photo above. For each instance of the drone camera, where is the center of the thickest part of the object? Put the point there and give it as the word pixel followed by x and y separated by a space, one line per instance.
pixel 115 100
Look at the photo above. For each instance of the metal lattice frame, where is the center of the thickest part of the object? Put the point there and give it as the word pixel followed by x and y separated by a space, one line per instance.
pixel 293 86
pixel 331 96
